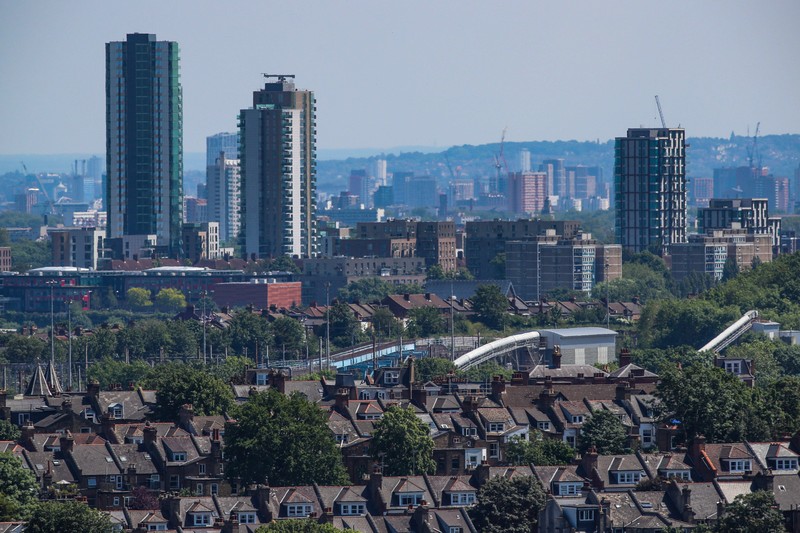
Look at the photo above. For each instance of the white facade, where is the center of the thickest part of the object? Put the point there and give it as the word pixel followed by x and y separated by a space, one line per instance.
pixel 223 185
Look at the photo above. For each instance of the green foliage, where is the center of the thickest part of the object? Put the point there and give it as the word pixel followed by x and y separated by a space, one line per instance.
pixel 23 348
pixel 282 440
pixel 178 383
pixel 402 443
pixel 108 371
pixel 656 359
pixel 344 326
pixel 170 301
pixel 366 290
pixel 708 401
pixel 508 505
pixel 8 431
pixel 425 321
pixel 784 396
pixel 385 325
pixel 603 431
pixel 233 369
pixel 288 337
pixel 67 517
pixel 248 331
pixel 436 272
pixel 683 322
pixel 18 487
pixel 539 451
pixel 283 263
pixel 491 306
pixel 26 255
pixel 427 368
pixel 756 512
pixel 498 266
pixel 306 525
pixel 730 269
pixel 138 298
pixel 485 372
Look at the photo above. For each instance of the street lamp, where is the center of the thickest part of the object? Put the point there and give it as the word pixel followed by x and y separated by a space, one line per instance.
pixel 327 323
pixel 52 284
pixel 608 302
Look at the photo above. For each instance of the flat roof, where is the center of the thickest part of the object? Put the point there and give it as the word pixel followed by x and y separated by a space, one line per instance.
pixel 579 332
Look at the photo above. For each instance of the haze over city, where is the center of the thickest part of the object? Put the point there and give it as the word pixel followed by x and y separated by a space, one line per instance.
pixel 415 73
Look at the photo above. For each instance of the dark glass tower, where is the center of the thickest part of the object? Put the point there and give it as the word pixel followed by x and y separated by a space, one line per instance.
pixel 144 140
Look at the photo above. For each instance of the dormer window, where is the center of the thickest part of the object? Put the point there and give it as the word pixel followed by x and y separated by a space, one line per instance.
pixel 88 414
pixel 409 498
pixel 391 378
pixel 733 367
pixel 201 519
pixel 247 518
pixel 496 427
pixel 567 489
pixel 784 464
pixel 577 419
pixel 341 438
pixel 115 410
pixel 462 498
pixel 739 465
pixel 298 510
pixel 178 457
pixel 628 478
pixel 469 431
pixel 352 509
pixel 262 378
pixel 364 395
pixel 544 426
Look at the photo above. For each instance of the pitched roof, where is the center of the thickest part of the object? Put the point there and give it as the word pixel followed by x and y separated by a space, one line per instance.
pixel 38 384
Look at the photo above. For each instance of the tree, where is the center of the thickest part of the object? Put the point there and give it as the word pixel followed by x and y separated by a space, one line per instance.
pixel 756 512
pixel 233 369
pixel 170 301
pixel 539 450
pixel 282 440
pixel 498 266
pixel 730 269
pixel 784 395
pixel 26 255
pixel 491 305
pixel 427 368
pixel 109 371
pixel 402 443
pixel 288 337
pixel 297 526
pixel 705 400
pixel 604 432
pixel 508 505
pixel 18 487
pixel 177 384
pixel 67 517
pixel 425 321
pixel 138 298
pixel 8 431
pixel 143 498
pixel 434 272
pixel 485 372
pixel 283 263
pixel 248 331
pixel 345 328
pixel 385 325
pixel 24 349
pixel 366 290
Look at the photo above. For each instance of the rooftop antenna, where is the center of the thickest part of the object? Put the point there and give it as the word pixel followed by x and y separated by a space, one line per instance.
pixel 281 77
pixel 661 113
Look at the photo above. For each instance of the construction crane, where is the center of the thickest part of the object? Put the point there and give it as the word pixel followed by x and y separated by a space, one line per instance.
pixel 661 113
pixel 752 150
pixel 51 208
pixel 449 166
pixel 500 161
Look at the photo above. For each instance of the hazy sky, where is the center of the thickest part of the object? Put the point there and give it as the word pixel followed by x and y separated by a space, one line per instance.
pixel 400 73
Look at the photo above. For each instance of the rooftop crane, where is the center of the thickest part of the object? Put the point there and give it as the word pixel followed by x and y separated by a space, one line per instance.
pixel 661 113
pixel 51 208
pixel 752 150
pixel 500 161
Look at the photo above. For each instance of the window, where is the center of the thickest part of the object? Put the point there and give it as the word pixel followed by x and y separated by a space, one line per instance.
pixel 155 481
pixel 201 519
pixel 577 419
pixel 409 498
pixel 462 498
pixel 202 468
pixel 156 527
pixel 568 489
pixel 298 510
pixel 391 378
pixel 544 426
pixel 739 465
pixel 349 509
pixel 469 432
pixel 198 490
pixel 126 500
pixel 455 463
pixel 247 518
pixel 23 418
pixel 115 409
pixel 89 414
pixel 174 481
pixel 628 477
pixel 496 427
pixel 785 464
pixel 116 501
pixel 454 529
pixel 91 482
pixel 261 379
pixel 494 449
pixel 734 367
pixel 585 515
pixel 179 457
pixel 341 438
pixel 214 488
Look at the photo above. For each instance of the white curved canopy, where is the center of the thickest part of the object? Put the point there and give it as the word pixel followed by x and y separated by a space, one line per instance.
pixel 495 348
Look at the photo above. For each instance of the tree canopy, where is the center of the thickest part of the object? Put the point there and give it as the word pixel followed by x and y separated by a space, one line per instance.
pixel 604 432
pixel 756 512
pixel 18 488
pixel 508 505
pixel 179 383
pixel 138 298
pixel 402 443
pixel 427 368
pixel 67 517
pixel 491 305
pixel 306 525
pixel 170 301
pixel 282 440
pixel 425 321
pixel 539 450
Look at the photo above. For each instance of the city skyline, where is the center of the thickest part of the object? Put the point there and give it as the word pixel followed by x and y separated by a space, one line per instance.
pixel 711 80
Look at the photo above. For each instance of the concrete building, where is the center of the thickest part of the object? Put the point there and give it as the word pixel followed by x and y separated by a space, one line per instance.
pixel 526 192
pixel 278 171
pixel 707 254
pixel 226 142
pixel 144 140
pixel 524 160
pixel 436 243
pixel 579 346
pixel 77 247
pixel 702 191
pixel 485 239
pixel 750 214
pixel 223 181
pixel 547 263
pixel 201 241
pixel 5 259
pixel 556 177
pixel 260 293
pixel 650 188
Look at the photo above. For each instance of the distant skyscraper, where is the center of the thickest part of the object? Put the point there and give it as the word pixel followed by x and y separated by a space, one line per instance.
pixel 379 171
pixel 526 192
pixel 278 171
pixel 524 160
pixel 556 177
pixel 222 142
pixel 223 190
pixel 144 140
pixel 650 188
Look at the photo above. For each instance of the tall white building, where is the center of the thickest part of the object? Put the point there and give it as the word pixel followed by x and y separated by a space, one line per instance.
pixel 379 171
pixel 223 187
pixel 524 160
pixel 278 171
